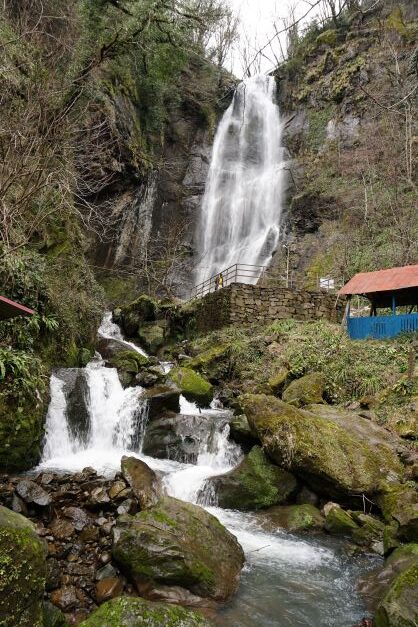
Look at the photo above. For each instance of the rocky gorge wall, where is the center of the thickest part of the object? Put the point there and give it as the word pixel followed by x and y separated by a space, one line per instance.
pixel 245 304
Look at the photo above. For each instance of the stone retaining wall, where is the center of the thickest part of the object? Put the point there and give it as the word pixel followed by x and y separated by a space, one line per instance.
pixel 244 304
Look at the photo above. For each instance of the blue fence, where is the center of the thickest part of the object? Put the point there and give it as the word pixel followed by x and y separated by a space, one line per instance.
pixel 379 327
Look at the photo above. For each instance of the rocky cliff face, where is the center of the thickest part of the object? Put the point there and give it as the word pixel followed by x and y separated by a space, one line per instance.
pixel 350 105
pixel 147 187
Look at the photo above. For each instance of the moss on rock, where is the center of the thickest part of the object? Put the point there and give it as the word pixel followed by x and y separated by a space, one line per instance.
pixel 400 503
pixel 132 612
pixel 293 518
pixel 255 484
pixel 192 385
pixel 152 336
pixel 339 522
pixel 333 460
pixel 278 381
pixel 22 572
pixel 305 391
pixel 179 544
pixel 399 607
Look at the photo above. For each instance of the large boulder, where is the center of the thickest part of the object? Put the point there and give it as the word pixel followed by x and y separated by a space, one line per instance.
pixel 22 571
pixel 180 437
pixel 192 385
pixel 152 336
pixel 134 612
pixel 179 552
pixel 293 518
pixel 306 390
pixel 255 484
pixel 145 484
pixel 331 457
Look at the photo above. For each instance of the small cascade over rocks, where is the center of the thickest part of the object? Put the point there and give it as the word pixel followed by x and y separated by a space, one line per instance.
pixel 93 422
pixel 242 204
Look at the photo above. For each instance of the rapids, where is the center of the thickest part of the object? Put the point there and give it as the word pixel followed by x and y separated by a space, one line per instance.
pixel 287 581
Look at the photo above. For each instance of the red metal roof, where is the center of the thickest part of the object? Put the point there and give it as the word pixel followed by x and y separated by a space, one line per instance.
pixel 382 281
pixel 10 309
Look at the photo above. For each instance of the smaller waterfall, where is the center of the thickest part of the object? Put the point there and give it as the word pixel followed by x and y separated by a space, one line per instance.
pixel 110 331
pixel 242 203
pixel 115 420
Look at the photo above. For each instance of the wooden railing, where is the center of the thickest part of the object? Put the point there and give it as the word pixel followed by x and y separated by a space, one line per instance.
pixel 238 273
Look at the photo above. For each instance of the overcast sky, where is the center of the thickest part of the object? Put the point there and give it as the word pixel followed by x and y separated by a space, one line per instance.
pixel 257 17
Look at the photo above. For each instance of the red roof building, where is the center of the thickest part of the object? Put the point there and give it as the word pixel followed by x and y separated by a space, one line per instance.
pixel 387 289
pixel 10 309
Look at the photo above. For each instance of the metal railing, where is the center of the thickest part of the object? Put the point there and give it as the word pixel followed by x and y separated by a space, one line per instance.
pixel 238 273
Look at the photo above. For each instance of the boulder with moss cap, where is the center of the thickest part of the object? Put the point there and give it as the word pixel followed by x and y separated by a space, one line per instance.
pixel 192 385
pixel 179 552
pixel 331 459
pixel 305 391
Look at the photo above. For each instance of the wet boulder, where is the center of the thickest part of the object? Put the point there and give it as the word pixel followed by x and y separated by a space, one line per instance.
pixel 180 437
pixel 240 431
pixel 162 398
pixel 255 484
pixel 333 457
pixel 179 552
pixel 76 391
pixel 305 391
pixel 53 617
pixel 194 387
pixel 23 571
pixel 145 484
pixel 132 612
pixel 293 518
pixel 132 316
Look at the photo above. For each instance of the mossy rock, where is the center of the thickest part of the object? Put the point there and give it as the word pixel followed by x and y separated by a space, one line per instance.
pixel 21 433
pixel 211 362
pixel 128 361
pixel 176 545
pixel 305 391
pixel 132 316
pixel 277 382
pixel 399 503
pixel 255 484
pixel 333 460
pixel 152 337
pixel 399 608
pixel 339 522
pixel 293 518
pixel 22 572
pixel 370 532
pixel 136 612
pixel 192 385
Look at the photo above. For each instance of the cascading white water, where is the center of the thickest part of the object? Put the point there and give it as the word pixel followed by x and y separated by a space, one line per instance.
pixel 110 331
pixel 114 415
pixel 299 580
pixel 241 207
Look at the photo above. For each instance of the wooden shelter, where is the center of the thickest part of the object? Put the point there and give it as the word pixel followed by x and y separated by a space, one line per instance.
pixel 385 289
pixel 10 309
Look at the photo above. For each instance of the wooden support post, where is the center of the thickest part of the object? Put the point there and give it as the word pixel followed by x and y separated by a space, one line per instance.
pixel 393 304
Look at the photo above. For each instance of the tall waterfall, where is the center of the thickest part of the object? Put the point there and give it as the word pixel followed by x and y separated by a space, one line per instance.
pixel 241 207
